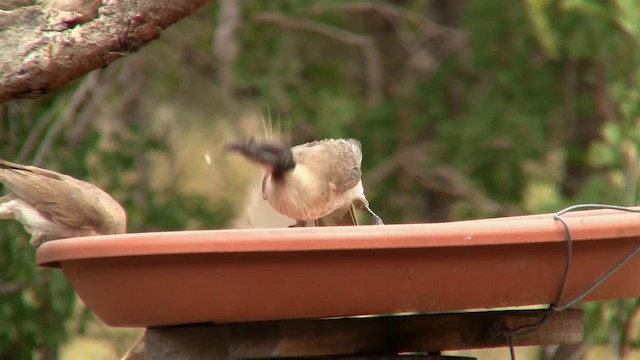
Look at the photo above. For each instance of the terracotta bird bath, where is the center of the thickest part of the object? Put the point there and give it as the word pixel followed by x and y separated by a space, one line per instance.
pixel 151 279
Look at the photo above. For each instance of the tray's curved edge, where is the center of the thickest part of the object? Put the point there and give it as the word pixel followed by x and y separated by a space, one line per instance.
pixel 485 232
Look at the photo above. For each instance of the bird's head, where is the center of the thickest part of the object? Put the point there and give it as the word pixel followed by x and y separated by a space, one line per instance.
pixel 274 158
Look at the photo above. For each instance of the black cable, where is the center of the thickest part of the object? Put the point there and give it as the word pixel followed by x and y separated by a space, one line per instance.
pixel 555 307
pixel 606 275
pixel 567 260
pixel 598 282
pixel 512 350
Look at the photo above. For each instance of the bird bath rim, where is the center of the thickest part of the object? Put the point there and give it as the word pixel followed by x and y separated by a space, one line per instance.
pixel 482 232
pixel 182 277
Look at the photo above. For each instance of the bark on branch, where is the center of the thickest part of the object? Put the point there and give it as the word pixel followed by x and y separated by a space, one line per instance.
pixel 44 45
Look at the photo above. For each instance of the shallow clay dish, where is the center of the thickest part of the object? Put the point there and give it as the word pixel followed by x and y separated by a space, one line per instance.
pixel 187 277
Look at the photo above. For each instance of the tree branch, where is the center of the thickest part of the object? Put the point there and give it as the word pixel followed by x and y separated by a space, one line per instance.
pixel 413 155
pixel 427 60
pixel 443 179
pixel 427 25
pixel 370 51
pixel 447 180
pixel 40 52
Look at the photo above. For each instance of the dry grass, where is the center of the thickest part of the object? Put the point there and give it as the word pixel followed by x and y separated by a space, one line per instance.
pixel 97 341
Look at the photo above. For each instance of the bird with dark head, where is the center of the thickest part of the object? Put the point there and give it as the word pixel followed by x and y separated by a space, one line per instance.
pixel 54 206
pixel 274 158
pixel 310 181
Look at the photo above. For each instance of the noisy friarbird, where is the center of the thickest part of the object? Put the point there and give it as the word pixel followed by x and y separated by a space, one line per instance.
pixel 54 206
pixel 310 181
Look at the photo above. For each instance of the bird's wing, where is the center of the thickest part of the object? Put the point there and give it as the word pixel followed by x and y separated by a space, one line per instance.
pixel 346 173
pixel 343 179
pixel 4 164
pixel 339 158
pixel 61 201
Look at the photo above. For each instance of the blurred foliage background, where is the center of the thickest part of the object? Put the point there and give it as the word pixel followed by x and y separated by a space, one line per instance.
pixel 465 110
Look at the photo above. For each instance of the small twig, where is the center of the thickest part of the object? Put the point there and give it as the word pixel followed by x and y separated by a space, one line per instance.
pixel 571 352
pixel 370 51
pixel 34 134
pixel 103 329
pixel 14 112
pixel 128 353
pixel 423 59
pixel 11 287
pixel 386 168
pixel 447 180
pixel 387 9
pixel 443 179
pixel 225 45
pixel 5 137
pixel 95 105
pixel 77 100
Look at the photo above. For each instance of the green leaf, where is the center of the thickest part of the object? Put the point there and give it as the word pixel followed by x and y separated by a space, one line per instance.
pixel 541 26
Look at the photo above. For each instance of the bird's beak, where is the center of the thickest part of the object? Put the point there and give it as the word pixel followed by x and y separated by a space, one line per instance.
pixel 255 152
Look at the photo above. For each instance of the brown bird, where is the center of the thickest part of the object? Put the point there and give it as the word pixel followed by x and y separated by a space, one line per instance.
pixel 54 206
pixel 311 181
pixel 343 216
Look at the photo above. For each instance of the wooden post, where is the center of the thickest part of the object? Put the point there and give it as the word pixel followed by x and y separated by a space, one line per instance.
pixel 384 335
